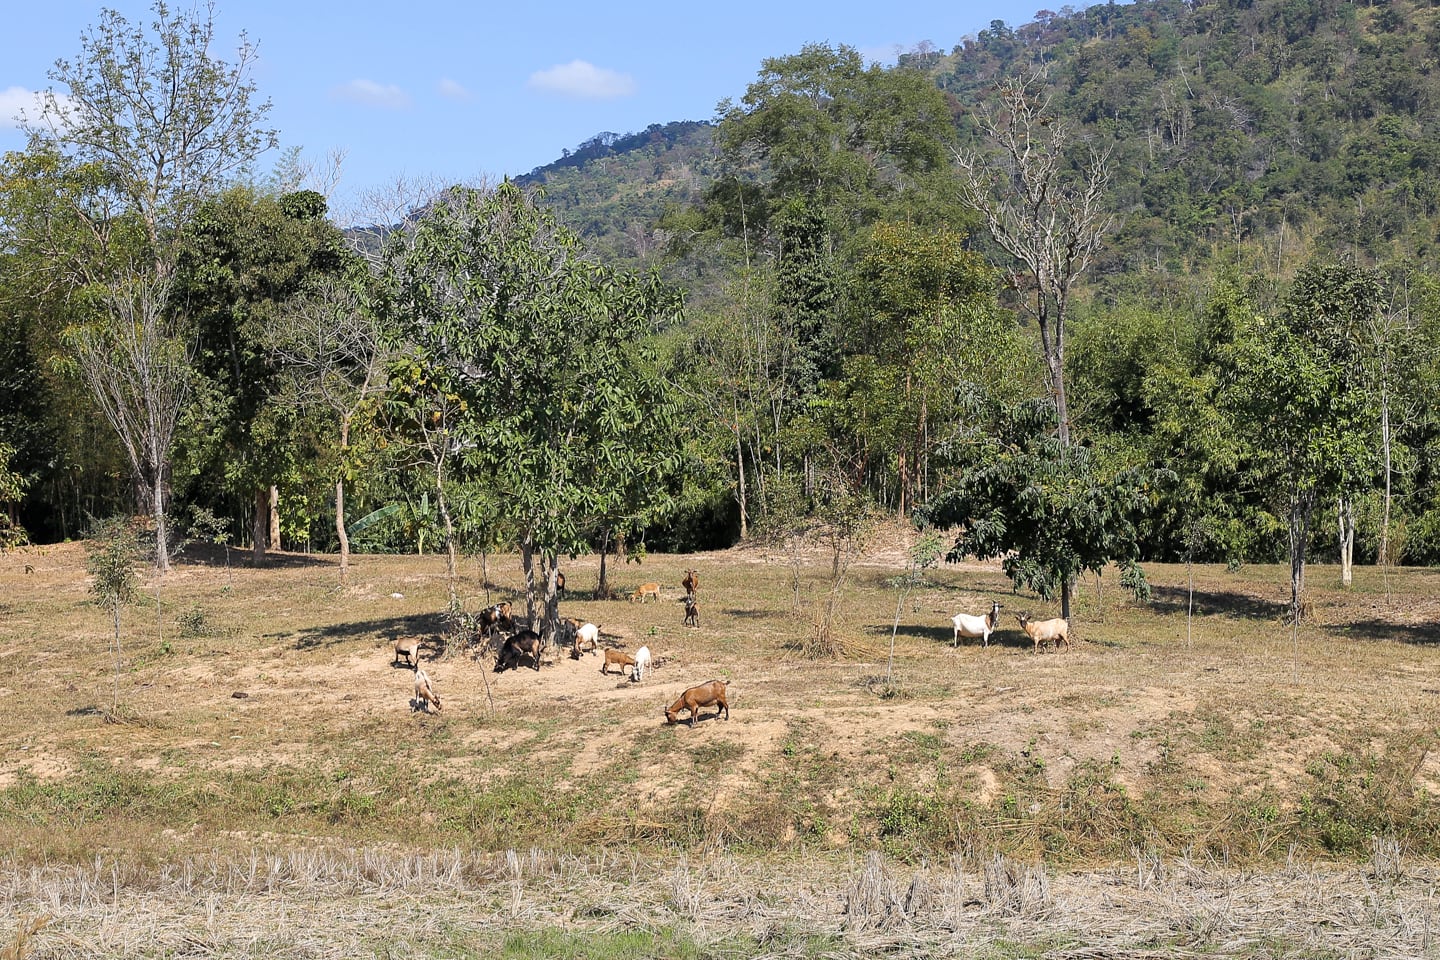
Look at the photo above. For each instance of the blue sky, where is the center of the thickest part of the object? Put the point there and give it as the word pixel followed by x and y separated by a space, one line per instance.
pixel 459 90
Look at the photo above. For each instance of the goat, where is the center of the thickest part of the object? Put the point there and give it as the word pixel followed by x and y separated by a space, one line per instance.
pixel 587 637
pixel 526 643
pixel 710 694
pixel 646 590
pixel 559 583
pixel 982 627
pixel 691 583
pixel 492 618
pixel 692 611
pixel 409 648
pixel 1055 631
pixel 642 663
pixel 621 659
pixel 424 692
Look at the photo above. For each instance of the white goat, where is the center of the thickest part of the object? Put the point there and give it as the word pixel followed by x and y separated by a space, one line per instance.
pixel 424 692
pixel 1046 631
pixel 982 627
pixel 587 637
pixel 642 663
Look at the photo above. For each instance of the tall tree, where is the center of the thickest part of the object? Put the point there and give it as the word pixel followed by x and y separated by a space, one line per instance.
pixel 1050 511
pixel 1041 208
pixel 1286 388
pixel 148 124
pixel 334 353
pixel 241 258
pixel 564 415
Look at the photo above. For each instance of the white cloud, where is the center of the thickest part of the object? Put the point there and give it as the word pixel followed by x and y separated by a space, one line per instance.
pixel 453 91
pixel 371 94
pixel 15 99
pixel 585 80
pixel 12 101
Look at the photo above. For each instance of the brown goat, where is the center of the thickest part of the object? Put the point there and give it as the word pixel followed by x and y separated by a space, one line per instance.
pixel 1055 631
pixel 691 583
pixel 710 694
pixel 559 582
pixel 692 611
pixel 409 648
pixel 620 658
pixel 646 590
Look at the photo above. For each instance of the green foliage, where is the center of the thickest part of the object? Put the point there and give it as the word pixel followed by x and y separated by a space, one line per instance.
pixel 111 554
pixel 110 560
pixel 1049 510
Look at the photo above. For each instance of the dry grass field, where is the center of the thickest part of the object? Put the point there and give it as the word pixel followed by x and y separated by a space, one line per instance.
pixel 1153 792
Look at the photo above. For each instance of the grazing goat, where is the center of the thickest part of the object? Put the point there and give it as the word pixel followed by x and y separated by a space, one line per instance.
pixel 705 695
pixel 492 618
pixel 982 627
pixel 1055 631
pixel 409 648
pixel 621 659
pixel 642 663
pixel 587 637
pixel 526 643
pixel 424 692
pixel 691 583
pixel 692 611
pixel 646 590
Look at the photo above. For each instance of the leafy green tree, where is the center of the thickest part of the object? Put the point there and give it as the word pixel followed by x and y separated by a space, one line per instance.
pixel 564 416
pixel 846 136
pixel 916 292
pixel 242 258
pixel 110 561
pixel 1285 386
pixel 1336 306
pixel 1049 509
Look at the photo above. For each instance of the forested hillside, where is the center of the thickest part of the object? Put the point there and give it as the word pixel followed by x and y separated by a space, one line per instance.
pixel 613 189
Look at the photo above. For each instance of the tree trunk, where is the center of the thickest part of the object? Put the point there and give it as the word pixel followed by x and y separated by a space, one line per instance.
pixel 527 563
pixel 1301 507
pixel 740 473
pixel 162 530
pixel 259 525
pixel 1345 509
pixel 274 517
pixel 449 526
pixel 340 529
pixel 602 590
pixel 550 566
pixel 1385 522
pixel 1065 597
pixel 1056 365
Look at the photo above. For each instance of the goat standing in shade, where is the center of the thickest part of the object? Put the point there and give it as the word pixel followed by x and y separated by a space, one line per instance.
pixel 982 627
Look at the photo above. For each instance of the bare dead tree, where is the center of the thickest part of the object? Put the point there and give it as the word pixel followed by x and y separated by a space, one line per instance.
pixel 1044 212
pixel 166 123
pixel 137 363
pixel 335 357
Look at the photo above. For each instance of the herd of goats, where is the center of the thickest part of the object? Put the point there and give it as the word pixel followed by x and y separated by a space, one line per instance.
pixel 521 642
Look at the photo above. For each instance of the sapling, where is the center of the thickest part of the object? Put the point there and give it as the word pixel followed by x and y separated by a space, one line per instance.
pixel 113 551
